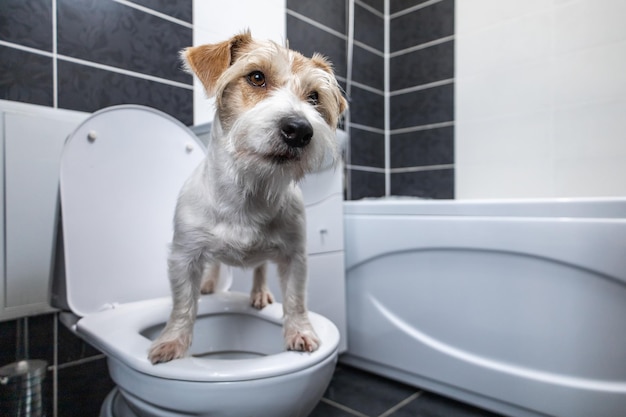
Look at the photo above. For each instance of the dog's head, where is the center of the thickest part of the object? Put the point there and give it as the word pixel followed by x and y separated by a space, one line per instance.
pixel 275 107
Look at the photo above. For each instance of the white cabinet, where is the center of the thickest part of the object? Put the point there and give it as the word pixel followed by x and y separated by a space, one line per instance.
pixel 33 139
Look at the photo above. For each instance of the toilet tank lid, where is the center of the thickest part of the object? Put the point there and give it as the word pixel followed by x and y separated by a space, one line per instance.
pixel 121 171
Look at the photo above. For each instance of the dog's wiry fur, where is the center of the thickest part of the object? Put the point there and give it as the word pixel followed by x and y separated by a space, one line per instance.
pixel 276 116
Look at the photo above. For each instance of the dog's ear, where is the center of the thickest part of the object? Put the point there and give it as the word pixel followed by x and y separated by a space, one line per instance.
pixel 321 62
pixel 208 62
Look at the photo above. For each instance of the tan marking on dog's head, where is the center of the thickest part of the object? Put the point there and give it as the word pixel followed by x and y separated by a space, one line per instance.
pixel 317 76
pixel 225 70
pixel 210 61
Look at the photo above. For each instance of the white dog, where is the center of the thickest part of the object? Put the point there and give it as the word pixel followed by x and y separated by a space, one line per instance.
pixel 276 116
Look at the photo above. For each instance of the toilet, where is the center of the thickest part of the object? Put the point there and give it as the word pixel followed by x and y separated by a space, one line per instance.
pixel 121 171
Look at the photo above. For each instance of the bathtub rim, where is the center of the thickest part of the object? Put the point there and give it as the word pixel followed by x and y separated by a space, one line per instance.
pixel 591 207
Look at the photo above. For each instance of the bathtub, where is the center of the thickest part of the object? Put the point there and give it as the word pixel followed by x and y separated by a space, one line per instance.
pixel 515 306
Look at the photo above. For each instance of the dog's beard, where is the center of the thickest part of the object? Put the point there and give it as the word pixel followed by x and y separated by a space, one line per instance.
pixel 284 154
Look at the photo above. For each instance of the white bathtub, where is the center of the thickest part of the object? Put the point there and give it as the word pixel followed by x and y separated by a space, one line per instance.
pixel 515 306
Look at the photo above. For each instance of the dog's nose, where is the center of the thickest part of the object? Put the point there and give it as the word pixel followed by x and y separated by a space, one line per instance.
pixel 296 131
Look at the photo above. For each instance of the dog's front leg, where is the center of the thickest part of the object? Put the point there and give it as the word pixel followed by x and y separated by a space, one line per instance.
pixel 297 329
pixel 260 296
pixel 185 272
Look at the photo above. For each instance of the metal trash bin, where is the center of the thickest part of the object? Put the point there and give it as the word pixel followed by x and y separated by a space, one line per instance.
pixel 21 385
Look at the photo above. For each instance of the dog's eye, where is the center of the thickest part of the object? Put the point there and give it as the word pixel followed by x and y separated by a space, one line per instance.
pixel 256 78
pixel 313 98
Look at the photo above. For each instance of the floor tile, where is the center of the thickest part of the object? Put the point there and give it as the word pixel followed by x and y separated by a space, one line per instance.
pixel 432 405
pixel 327 410
pixel 364 392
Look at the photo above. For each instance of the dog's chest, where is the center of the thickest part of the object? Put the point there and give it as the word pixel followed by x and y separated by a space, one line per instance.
pixel 246 245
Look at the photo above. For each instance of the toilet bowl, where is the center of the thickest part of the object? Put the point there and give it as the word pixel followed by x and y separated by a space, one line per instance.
pixel 120 174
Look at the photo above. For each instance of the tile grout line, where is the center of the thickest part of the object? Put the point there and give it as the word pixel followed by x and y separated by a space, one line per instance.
pixel 365 168
pixel 79 361
pixel 55 64
pixel 387 97
pixel 343 407
pixel 401 404
pixel 421 168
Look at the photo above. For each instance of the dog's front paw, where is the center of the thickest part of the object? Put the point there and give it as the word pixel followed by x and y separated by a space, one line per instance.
pixel 167 350
pixel 260 299
pixel 304 340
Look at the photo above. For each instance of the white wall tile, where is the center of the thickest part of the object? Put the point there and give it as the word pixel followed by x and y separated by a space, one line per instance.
pixel 479 14
pixel 590 177
pixel 587 23
pixel 591 131
pixel 517 178
pixel 225 18
pixel 567 97
pixel 521 136
pixel 592 74
pixel 499 46
pixel 522 88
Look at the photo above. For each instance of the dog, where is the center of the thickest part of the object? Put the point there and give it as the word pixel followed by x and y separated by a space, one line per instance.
pixel 276 116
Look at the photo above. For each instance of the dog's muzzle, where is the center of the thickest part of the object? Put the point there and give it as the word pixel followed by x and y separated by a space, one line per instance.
pixel 296 131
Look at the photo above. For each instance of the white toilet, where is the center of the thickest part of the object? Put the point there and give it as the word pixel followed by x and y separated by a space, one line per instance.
pixel 121 171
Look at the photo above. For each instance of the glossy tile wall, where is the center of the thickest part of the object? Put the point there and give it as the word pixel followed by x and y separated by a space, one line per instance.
pixel 89 54
pixel 400 83
pixel 421 98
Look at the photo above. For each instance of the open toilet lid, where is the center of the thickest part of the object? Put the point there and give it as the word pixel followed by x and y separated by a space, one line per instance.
pixel 121 172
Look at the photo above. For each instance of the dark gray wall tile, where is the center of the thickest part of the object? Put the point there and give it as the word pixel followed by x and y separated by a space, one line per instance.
pixel 180 9
pixel 399 5
pixel 330 13
pixel 41 337
pixel 366 184
pixel 423 66
pixel 110 33
pixel 368 68
pixel 27 22
pixel 431 105
pixel 71 347
pixel 367 148
pixel 308 39
pixel 25 77
pixel 425 147
pixel 89 89
pixel 423 25
pixel 367 108
pixel 426 184
pixel 8 335
pixel 83 388
pixel 369 28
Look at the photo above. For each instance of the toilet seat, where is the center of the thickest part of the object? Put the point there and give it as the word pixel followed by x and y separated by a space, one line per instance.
pixel 119 333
